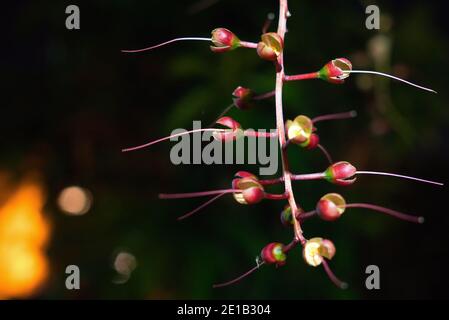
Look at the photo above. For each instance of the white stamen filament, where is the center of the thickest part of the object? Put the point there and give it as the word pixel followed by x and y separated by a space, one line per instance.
pixel 389 76
pixel 399 176
pixel 168 42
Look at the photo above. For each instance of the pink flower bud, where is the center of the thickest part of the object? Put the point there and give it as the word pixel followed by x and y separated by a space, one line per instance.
pixel 270 47
pixel 234 133
pixel 313 141
pixel 331 206
pixel 341 173
pixel 274 253
pixel 333 71
pixel 252 191
pixel 224 40
pixel 246 174
pixel 241 92
pixel 243 98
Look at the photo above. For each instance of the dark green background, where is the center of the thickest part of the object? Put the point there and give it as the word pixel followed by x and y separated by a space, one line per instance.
pixel 72 101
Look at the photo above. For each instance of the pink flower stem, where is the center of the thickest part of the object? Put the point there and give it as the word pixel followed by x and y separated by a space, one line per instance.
pixel 268 22
pixel 271 196
pixel 331 275
pixel 225 284
pixel 196 194
pixel 170 137
pixel 265 95
pixel 306 215
pixel 251 133
pixel 308 176
pixel 294 177
pixel 226 110
pixel 271 181
pixel 246 44
pixel 282 29
pixel 390 212
pixel 335 116
pixel 200 207
pixel 291 245
pixel 305 76
pixel 326 153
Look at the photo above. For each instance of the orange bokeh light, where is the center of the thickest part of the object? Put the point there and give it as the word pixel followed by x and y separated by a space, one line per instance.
pixel 24 233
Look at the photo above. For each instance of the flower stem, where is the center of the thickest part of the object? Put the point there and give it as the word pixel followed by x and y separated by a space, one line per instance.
pixel 308 176
pixel 225 284
pixel 196 194
pixel 305 76
pixel 282 29
pixel 170 137
pixel 388 211
pixel 335 116
pixel 257 134
pixel 326 153
pixel 265 95
pixel 271 196
pixel 246 44
pixel 201 207
pixel 332 276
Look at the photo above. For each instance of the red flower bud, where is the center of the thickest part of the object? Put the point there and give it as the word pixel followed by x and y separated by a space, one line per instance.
pixel 270 47
pixel 331 206
pixel 341 173
pixel 243 98
pixel 224 40
pixel 252 191
pixel 274 253
pixel 333 71
pixel 234 133
pixel 246 174
pixel 287 216
pixel 313 141
pixel 316 249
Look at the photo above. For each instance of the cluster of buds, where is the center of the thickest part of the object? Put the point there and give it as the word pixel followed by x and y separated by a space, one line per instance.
pixel 248 189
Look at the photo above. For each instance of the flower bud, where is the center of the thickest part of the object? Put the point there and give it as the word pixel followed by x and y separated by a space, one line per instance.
pixel 246 174
pixel 243 98
pixel 252 191
pixel 270 47
pixel 331 206
pixel 287 216
pixel 274 253
pixel 317 248
pixel 333 71
pixel 312 142
pixel 340 173
pixel 224 40
pixel 299 130
pixel 234 133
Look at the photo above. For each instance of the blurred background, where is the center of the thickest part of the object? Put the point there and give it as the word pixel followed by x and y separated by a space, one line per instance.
pixel 72 101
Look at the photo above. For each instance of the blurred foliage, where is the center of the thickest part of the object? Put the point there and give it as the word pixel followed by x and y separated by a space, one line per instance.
pixel 73 101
